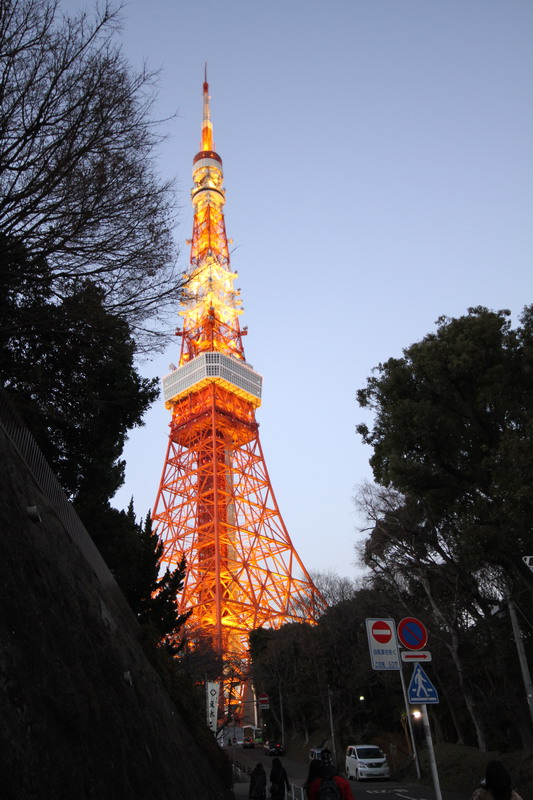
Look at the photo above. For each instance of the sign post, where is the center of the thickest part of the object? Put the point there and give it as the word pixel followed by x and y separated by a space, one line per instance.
pixel 421 691
pixel 432 761
pixel 410 726
pixel 263 701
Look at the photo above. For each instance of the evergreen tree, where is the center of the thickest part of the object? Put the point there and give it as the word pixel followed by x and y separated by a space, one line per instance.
pixel 132 551
pixel 454 430
pixel 69 366
pixel 451 515
pixel 155 600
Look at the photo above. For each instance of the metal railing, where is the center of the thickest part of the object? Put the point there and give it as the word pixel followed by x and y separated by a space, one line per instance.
pixel 240 770
pixel 297 792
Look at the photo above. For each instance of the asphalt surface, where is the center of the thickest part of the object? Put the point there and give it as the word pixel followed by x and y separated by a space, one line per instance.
pixel 245 760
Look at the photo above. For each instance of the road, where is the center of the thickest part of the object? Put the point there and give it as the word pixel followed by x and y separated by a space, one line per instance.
pixel 245 760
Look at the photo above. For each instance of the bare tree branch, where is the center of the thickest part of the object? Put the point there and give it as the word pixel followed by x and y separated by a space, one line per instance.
pixel 78 178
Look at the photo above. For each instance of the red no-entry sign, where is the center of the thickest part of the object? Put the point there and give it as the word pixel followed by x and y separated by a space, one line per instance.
pixel 382 631
pixel 382 644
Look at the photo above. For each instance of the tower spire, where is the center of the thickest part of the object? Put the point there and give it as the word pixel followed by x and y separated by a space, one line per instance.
pixel 207 127
pixel 213 306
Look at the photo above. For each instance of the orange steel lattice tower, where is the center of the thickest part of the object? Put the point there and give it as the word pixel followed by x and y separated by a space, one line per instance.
pixel 215 504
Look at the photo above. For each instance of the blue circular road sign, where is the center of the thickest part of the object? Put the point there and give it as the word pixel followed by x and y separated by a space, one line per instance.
pixel 412 634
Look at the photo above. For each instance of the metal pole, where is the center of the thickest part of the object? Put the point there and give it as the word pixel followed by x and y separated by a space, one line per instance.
pixel 332 729
pixel 521 654
pixel 281 711
pixel 433 763
pixel 256 720
pixel 410 725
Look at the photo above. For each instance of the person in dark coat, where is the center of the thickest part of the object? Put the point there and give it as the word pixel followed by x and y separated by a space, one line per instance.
pixel 258 783
pixel 278 780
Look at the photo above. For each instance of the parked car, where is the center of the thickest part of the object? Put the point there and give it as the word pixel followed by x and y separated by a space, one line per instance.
pixel 274 749
pixel 315 753
pixel 365 761
pixel 248 743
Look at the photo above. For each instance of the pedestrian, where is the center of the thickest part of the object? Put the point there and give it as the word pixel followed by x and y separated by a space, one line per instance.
pixel 258 783
pixel 497 785
pixel 314 772
pixel 329 783
pixel 278 780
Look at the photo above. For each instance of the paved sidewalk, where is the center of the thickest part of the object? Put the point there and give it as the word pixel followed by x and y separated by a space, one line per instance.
pixel 297 773
pixel 241 788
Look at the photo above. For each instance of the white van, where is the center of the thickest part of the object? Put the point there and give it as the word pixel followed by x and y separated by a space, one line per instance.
pixel 366 761
pixel 315 753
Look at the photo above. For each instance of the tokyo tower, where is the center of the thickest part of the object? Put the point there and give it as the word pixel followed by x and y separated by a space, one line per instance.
pixel 215 503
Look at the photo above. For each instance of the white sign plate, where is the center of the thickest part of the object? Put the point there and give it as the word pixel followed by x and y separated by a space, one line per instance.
pixel 382 644
pixel 416 655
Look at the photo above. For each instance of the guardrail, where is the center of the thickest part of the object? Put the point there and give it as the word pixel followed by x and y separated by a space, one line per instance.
pixel 297 792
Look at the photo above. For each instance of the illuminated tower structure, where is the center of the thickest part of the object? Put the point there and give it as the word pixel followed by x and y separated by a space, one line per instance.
pixel 215 503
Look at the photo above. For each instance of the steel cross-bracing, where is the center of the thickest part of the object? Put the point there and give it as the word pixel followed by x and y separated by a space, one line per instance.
pixel 215 505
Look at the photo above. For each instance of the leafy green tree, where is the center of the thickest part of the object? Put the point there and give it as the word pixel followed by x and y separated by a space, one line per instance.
pixel 305 668
pixel 416 564
pixel 452 446
pixel 454 429
pixel 343 656
pixel 282 667
pixel 69 365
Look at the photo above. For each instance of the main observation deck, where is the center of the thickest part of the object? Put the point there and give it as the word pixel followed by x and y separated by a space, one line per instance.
pixel 235 375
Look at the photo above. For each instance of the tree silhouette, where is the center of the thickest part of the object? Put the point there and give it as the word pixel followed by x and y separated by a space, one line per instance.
pixel 78 182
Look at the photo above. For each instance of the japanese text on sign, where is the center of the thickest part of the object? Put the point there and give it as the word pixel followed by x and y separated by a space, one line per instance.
pixel 212 704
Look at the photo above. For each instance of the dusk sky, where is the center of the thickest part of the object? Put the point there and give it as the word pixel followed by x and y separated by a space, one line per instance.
pixel 378 167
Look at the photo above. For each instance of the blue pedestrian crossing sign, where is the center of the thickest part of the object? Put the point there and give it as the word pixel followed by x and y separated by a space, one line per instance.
pixel 421 690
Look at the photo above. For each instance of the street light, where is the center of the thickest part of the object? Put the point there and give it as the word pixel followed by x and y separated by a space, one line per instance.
pixel 332 728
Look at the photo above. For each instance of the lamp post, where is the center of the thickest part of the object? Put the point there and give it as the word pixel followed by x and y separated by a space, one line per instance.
pixel 526 677
pixel 281 716
pixel 410 726
pixel 332 728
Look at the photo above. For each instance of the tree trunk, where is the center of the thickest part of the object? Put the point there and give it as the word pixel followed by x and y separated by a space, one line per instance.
pixel 453 646
pixel 453 715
